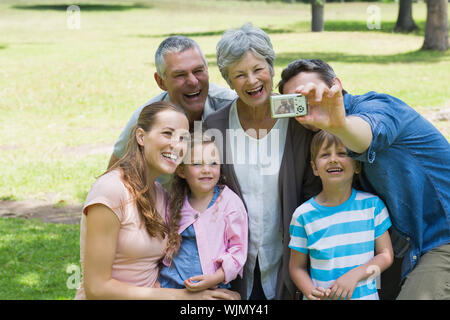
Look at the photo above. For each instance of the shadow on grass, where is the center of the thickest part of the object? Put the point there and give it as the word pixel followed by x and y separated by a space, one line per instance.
pixel 210 33
pixel 304 26
pixel 84 7
pixel 34 257
pixel 284 58
pixel 361 26
pixel 355 26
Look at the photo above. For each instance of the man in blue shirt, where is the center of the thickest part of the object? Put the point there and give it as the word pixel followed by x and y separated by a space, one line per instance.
pixel 406 162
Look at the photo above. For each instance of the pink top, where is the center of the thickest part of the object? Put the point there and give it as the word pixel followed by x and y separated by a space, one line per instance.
pixel 221 232
pixel 137 254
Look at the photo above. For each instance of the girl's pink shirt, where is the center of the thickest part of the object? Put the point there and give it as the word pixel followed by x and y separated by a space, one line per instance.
pixel 137 254
pixel 221 232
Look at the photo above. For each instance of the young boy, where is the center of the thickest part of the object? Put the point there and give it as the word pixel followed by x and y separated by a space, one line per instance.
pixel 339 229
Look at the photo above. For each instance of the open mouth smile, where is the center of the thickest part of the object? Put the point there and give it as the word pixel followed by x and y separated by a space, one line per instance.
pixel 170 156
pixel 335 170
pixel 193 95
pixel 255 92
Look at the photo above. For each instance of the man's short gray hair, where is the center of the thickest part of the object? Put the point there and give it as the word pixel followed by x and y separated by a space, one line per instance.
pixel 174 44
pixel 237 42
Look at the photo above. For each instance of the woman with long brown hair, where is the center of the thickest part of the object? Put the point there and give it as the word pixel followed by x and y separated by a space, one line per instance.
pixel 124 224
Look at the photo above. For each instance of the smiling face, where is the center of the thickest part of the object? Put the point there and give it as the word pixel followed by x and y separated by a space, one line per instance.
pixel 203 172
pixel 333 165
pixel 251 78
pixel 165 143
pixel 186 81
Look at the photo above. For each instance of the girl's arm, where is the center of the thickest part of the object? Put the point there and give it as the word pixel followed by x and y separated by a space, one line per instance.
pixel 102 233
pixel 345 285
pixel 232 261
pixel 299 274
pixel 205 281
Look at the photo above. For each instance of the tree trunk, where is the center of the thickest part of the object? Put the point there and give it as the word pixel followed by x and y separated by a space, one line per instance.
pixel 317 21
pixel 436 28
pixel 405 21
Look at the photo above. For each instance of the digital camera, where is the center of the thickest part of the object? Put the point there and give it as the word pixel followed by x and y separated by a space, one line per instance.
pixel 288 105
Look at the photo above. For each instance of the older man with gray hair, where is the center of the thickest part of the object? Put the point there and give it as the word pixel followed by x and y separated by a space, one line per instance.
pixel 182 72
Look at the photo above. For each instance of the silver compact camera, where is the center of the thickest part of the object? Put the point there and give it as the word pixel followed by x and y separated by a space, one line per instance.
pixel 288 105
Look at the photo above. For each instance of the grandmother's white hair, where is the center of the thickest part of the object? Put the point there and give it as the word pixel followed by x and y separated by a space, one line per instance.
pixel 235 43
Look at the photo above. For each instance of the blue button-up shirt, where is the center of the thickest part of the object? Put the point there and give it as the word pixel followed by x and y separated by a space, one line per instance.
pixel 408 165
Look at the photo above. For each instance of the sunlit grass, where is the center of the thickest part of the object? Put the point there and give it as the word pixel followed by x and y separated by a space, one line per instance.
pixel 34 257
pixel 64 91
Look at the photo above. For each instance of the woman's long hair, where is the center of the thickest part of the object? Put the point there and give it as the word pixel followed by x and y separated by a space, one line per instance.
pixel 133 168
pixel 179 191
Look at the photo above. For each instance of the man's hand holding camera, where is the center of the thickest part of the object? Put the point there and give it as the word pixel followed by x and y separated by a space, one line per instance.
pixel 326 111
pixel 326 106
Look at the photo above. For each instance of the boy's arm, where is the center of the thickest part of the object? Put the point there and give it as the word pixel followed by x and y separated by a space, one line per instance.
pixel 299 274
pixel 345 285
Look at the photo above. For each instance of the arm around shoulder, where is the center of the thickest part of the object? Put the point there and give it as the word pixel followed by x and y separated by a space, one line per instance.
pixel 102 232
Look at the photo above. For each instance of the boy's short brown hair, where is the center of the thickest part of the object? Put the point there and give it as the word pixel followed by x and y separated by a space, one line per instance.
pixel 322 137
pixel 319 139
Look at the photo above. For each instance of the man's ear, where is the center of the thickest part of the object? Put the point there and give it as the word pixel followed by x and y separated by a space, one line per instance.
pixel 338 82
pixel 160 82
pixel 313 165
pixel 140 133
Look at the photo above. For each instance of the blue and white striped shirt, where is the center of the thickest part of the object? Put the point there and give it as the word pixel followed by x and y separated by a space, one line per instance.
pixel 338 239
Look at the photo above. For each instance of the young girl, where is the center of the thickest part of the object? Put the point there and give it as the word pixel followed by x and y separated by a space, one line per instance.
pixel 208 222
pixel 339 230
pixel 123 227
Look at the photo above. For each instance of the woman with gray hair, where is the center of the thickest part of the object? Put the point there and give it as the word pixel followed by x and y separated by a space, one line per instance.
pixel 266 161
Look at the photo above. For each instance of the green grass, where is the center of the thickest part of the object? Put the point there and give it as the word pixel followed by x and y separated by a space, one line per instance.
pixel 34 258
pixel 63 91
pixel 66 94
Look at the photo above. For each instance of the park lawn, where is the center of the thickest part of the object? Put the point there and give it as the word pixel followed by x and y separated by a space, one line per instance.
pixel 35 257
pixel 65 94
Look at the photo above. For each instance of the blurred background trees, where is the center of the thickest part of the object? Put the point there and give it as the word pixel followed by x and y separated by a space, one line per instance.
pixel 436 29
